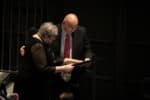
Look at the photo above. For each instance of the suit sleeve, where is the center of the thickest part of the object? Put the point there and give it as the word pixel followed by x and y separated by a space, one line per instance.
pixel 87 46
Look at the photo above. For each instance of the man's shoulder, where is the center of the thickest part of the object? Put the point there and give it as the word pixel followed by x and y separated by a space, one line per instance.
pixel 81 29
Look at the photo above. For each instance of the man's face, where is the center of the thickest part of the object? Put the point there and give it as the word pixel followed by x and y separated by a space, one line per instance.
pixel 69 27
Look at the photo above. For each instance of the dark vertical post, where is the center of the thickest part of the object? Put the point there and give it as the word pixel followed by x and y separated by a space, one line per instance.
pixel 18 36
pixel 3 32
pixel 10 36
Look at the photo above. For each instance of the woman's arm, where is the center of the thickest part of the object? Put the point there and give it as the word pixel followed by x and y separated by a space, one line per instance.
pixel 40 61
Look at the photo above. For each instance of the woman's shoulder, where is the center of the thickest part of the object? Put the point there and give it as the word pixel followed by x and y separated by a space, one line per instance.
pixel 33 42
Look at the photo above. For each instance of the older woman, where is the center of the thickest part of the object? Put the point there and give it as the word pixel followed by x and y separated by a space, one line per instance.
pixel 38 74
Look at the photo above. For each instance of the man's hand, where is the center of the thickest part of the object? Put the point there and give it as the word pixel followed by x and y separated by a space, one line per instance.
pixel 71 61
pixel 22 50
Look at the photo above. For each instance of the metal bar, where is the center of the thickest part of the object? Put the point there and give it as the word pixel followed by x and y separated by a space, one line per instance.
pixel 35 13
pixel 41 12
pixel 26 23
pixel 3 32
pixel 18 37
pixel 10 37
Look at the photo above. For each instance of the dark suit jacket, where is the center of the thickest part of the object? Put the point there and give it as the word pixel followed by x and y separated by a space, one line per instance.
pixel 80 44
pixel 80 50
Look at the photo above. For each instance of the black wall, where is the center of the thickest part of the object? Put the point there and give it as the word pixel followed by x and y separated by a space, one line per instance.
pixel 113 27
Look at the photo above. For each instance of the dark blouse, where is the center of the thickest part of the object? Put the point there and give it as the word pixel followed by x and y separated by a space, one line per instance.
pixel 37 78
pixel 39 59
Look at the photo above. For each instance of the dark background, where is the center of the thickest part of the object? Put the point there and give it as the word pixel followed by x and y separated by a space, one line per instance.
pixel 116 32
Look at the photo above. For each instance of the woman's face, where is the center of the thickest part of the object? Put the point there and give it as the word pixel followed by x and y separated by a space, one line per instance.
pixel 49 39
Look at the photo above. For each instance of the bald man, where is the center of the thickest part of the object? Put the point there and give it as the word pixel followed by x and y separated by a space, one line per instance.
pixel 79 43
pixel 79 49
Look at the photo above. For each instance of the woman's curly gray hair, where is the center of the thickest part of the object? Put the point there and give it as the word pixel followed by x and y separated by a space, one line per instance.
pixel 48 29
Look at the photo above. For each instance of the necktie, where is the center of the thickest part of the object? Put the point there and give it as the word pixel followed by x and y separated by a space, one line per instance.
pixel 67 75
pixel 67 46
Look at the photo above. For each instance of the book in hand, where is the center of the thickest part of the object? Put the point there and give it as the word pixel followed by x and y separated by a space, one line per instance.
pixel 84 64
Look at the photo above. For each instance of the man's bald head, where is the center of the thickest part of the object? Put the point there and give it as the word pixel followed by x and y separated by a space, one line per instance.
pixel 71 18
pixel 70 22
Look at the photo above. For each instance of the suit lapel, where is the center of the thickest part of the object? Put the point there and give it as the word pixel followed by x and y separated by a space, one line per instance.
pixel 73 44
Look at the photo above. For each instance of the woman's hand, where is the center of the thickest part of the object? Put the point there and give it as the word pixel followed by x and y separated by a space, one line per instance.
pixel 65 68
pixel 71 61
